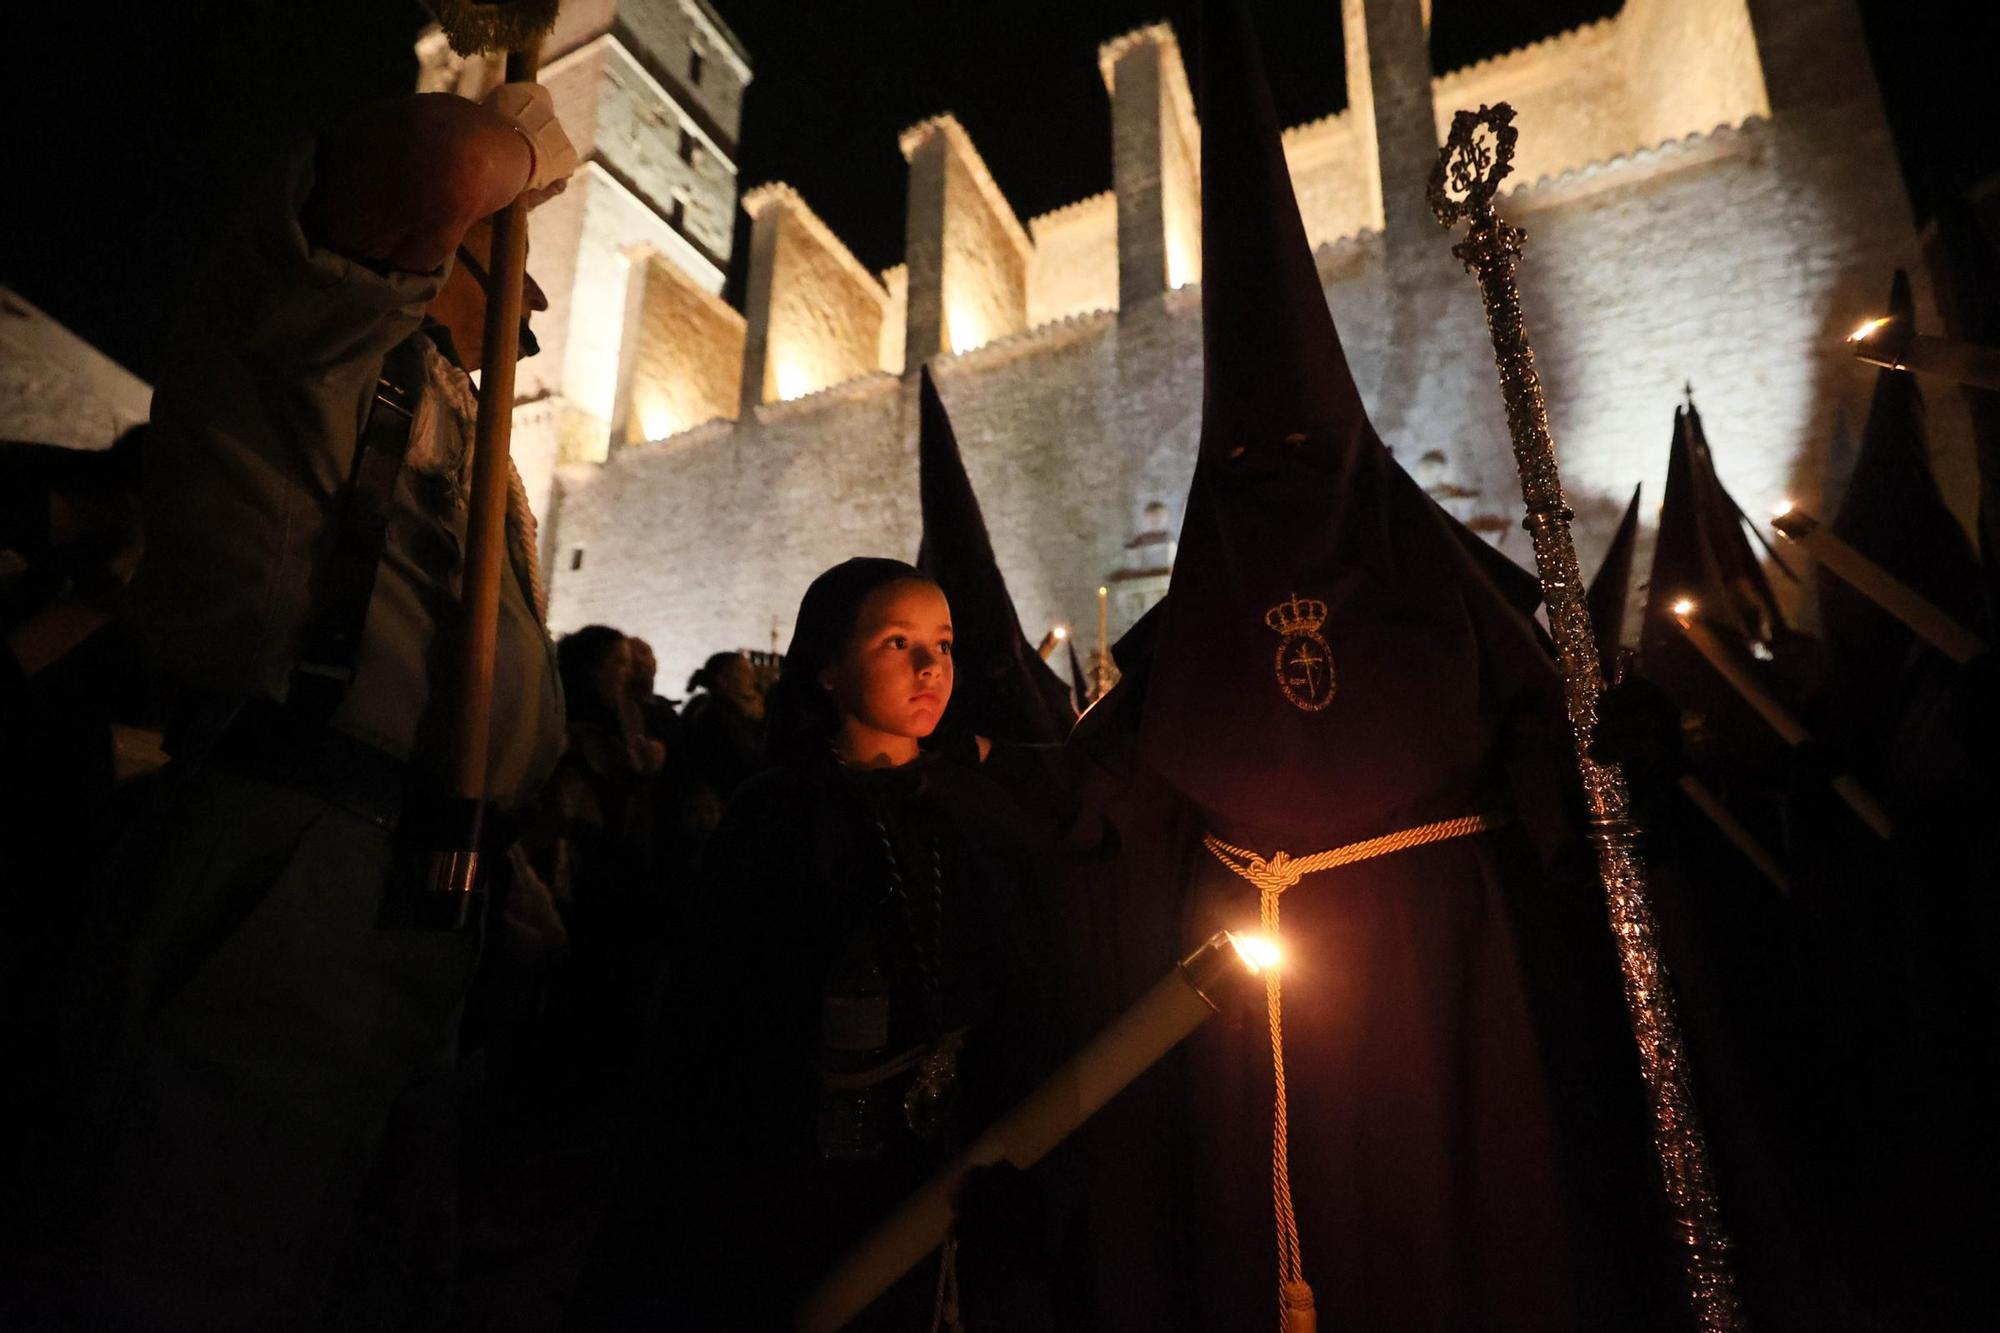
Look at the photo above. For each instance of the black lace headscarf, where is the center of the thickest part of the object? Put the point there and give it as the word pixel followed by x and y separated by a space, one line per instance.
pixel 801 716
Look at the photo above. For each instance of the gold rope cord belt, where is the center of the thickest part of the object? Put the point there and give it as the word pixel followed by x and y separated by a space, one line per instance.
pixel 1272 877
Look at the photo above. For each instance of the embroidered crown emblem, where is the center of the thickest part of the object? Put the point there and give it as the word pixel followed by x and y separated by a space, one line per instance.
pixel 1304 663
pixel 1296 615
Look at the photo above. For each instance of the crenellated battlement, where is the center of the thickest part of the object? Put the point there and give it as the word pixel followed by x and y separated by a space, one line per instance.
pixel 911 141
pixel 816 313
pixel 1710 191
pixel 1594 97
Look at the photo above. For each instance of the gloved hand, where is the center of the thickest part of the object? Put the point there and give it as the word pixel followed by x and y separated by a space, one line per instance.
pixel 533 111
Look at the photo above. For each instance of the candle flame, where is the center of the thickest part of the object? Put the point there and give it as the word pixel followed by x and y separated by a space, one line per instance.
pixel 1103 592
pixel 1868 330
pixel 1684 608
pixel 1780 509
pixel 1258 952
pixel 1061 632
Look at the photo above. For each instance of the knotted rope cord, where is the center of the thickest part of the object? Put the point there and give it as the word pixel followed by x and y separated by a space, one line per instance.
pixel 1271 878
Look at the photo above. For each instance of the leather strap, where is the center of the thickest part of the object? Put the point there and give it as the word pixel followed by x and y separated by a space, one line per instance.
pixel 344 583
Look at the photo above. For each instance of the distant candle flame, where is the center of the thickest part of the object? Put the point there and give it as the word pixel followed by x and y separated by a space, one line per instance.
pixel 1868 330
pixel 1061 632
pixel 1780 509
pixel 1104 592
pixel 1258 952
pixel 1683 608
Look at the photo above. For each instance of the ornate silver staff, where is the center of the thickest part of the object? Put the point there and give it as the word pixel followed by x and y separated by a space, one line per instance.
pixel 1475 159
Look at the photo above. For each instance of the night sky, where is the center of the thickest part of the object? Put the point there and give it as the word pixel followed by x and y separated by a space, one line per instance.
pixel 134 132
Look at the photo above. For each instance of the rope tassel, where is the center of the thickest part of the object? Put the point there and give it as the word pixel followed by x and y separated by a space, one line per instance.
pixel 1295 1299
pixel 1296 1313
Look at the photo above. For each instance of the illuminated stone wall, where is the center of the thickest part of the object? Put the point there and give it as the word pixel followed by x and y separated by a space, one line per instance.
pixel 632 111
pixel 650 92
pixel 985 268
pixel 966 253
pixel 1326 156
pixel 1571 89
pixel 815 314
pixel 1691 65
pixel 688 359
pixel 895 315
pixel 773 496
pixel 1709 192
pixel 1075 265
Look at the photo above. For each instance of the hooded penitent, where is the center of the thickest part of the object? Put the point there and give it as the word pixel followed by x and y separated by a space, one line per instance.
pixel 1920 728
pixel 1701 555
pixel 1332 665
pixel 1004 690
pixel 1893 514
pixel 1078 680
pixel 1304 544
pixel 1610 586
pixel 1725 530
pixel 1966 269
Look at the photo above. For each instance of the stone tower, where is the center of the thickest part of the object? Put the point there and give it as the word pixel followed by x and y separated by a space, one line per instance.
pixel 651 92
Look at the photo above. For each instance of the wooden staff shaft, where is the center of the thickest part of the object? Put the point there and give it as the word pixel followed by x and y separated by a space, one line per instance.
pixel 486 525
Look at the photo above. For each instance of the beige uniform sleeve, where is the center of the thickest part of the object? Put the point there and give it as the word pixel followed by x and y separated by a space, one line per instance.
pixel 263 390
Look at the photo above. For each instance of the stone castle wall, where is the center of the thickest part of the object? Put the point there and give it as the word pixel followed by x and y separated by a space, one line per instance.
pixel 1662 249
pixel 676 315
pixel 822 311
pixel 1074 270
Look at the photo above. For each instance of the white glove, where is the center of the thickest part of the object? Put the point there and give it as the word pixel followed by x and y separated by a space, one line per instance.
pixel 533 113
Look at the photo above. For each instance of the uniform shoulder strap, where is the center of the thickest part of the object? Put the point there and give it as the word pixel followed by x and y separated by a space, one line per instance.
pixel 344 581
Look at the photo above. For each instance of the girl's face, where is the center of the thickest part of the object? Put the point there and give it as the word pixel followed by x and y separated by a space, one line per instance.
pixel 893 677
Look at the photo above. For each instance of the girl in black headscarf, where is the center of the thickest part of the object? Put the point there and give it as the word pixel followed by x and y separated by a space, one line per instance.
pixel 874 967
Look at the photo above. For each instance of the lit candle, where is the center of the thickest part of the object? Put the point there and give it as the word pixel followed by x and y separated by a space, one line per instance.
pixel 1894 344
pixel 1776 714
pixel 1789 728
pixel 1878 585
pixel 1056 634
pixel 1134 1042
pixel 1103 663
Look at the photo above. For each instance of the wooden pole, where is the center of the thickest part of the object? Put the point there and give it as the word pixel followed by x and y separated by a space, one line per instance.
pixel 486 526
pixel 454 870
